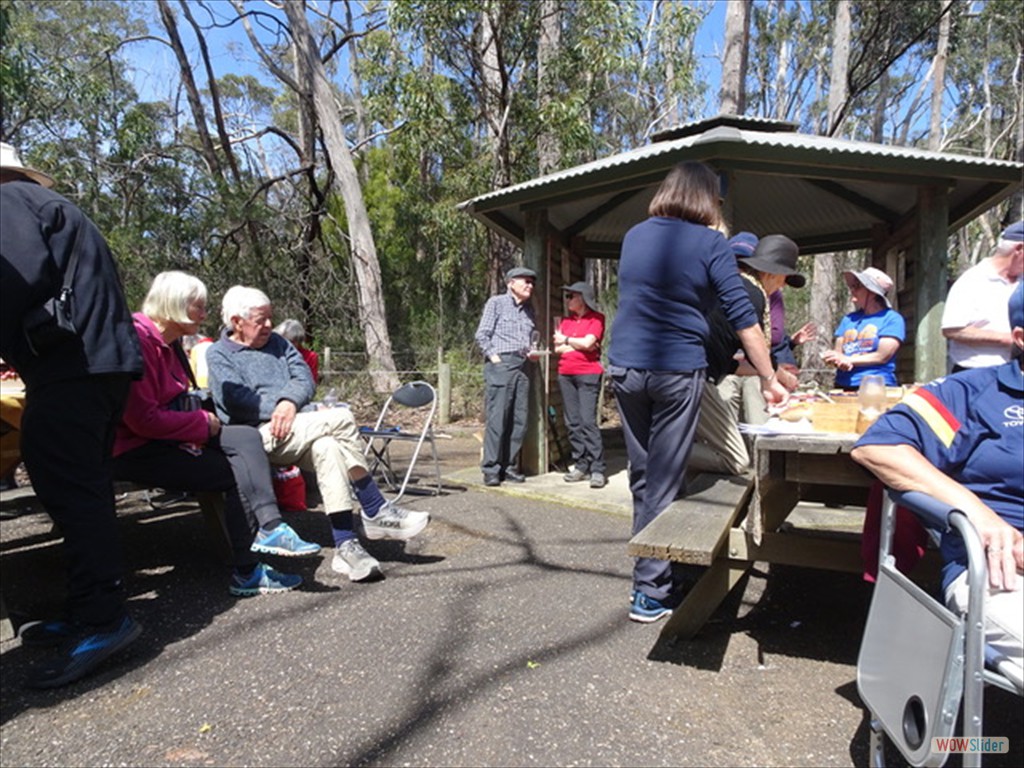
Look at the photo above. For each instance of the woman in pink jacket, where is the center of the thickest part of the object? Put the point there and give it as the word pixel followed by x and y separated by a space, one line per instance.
pixel 165 441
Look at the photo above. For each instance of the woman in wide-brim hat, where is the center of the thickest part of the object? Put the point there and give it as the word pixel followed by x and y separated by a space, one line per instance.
pixel 867 339
pixel 577 342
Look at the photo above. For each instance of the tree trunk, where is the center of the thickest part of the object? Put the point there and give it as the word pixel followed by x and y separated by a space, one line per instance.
pixel 548 151
pixel 356 93
pixel 840 64
pixel 938 83
pixel 195 103
pixel 372 313
pixel 732 95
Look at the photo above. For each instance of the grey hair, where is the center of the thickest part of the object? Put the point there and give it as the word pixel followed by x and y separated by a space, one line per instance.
pixel 240 300
pixel 170 295
pixel 292 330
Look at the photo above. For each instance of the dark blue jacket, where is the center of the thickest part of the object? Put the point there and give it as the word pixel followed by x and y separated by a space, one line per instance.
pixel 37 234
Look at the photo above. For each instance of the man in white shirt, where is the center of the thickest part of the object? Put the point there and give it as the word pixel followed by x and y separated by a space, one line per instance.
pixel 974 320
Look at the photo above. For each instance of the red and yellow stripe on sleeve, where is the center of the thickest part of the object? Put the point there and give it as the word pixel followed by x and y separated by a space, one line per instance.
pixel 938 418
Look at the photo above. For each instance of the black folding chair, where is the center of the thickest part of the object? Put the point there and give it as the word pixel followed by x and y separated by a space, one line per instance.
pixel 918 659
pixel 416 397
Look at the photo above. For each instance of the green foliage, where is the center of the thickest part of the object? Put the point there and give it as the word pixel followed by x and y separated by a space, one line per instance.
pixel 444 129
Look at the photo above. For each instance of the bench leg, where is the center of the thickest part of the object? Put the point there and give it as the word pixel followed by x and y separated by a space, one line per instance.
pixel 707 594
pixel 211 504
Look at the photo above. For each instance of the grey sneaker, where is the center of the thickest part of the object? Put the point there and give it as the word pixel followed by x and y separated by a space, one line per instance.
pixel 597 480
pixel 393 522
pixel 350 559
pixel 577 475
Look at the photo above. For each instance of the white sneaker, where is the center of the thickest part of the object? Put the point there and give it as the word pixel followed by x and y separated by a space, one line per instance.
pixel 350 559
pixel 392 522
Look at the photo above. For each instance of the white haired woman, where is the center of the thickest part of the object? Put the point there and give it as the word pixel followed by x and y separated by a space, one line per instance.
pixel 292 330
pixel 162 443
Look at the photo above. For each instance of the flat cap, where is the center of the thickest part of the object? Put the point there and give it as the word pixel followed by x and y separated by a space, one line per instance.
pixel 520 272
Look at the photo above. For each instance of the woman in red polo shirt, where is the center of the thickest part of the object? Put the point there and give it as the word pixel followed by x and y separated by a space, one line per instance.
pixel 577 341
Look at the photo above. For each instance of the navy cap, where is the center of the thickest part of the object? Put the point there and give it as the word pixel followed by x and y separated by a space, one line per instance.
pixel 1014 233
pixel 743 244
pixel 1016 306
pixel 520 272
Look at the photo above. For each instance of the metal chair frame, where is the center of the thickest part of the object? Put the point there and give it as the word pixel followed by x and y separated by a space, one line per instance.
pixel 415 395
pixel 918 659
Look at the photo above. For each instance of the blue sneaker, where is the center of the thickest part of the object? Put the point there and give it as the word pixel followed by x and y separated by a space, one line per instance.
pixel 283 541
pixel 46 634
pixel 86 650
pixel 264 580
pixel 646 609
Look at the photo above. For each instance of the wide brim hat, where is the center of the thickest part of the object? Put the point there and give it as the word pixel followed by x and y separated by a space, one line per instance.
pixel 776 255
pixel 586 291
pixel 10 161
pixel 874 279
pixel 520 272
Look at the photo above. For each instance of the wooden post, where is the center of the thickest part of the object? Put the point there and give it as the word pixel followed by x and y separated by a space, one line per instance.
pixel 534 458
pixel 444 389
pixel 931 277
pixel 326 367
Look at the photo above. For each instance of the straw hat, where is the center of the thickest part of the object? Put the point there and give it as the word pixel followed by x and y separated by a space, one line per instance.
pixel 10 161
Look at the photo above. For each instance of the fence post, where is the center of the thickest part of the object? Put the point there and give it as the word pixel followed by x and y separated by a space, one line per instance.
pixel 444 389
pixel 326 367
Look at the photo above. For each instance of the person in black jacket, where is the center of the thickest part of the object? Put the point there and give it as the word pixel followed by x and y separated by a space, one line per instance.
pixel 66 328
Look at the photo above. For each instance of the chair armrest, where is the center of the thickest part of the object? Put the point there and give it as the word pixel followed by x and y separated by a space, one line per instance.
pixel 932 512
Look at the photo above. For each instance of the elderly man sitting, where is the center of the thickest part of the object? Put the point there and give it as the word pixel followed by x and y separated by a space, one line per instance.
pixel 960 440
pixel 258 378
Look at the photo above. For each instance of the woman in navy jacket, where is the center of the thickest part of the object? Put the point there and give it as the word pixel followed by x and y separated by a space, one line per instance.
pixel 674 267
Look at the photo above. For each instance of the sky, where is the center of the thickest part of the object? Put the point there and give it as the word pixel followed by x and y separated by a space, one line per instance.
pixel 155 68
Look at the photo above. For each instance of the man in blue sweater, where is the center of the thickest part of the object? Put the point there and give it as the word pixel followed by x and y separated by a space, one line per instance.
pixel 257 377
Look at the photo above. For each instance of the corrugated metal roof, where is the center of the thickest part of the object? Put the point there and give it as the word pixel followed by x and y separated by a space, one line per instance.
pixel 825 193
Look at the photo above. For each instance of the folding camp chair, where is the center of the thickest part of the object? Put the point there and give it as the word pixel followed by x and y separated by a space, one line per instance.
pixel 918 658
pixel 416 396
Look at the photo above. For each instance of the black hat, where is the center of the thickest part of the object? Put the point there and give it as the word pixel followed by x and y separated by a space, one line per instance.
pixel 520 272
pixel 776 255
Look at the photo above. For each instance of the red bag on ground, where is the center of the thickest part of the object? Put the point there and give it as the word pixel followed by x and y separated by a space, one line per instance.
pixel 290 489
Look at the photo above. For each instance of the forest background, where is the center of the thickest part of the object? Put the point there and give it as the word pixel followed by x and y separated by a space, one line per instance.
pixel 318 150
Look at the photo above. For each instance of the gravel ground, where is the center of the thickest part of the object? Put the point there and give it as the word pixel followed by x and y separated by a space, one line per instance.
pixel 499 637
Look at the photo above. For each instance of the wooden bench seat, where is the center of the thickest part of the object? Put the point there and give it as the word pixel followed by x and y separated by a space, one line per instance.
pixel 211 505
pixel 693 529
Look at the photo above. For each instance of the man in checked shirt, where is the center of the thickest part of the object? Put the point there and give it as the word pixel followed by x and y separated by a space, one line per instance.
pixel 505 336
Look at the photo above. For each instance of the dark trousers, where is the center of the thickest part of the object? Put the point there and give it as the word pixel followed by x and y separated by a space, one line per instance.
pixel 67 437
pixel 168 465
pixel 506 400
pixel 659 417
pixel 579 403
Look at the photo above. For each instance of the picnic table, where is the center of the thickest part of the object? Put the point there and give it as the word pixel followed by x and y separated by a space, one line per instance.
pixel 729 523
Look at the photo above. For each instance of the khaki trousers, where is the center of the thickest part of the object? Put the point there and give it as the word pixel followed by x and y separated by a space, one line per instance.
pixel 325 442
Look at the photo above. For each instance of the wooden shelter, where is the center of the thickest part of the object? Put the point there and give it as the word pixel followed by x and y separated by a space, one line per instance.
pixel 827 194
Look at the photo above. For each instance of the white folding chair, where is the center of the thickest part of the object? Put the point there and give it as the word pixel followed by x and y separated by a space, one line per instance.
pixel 918 658
pixel 416 397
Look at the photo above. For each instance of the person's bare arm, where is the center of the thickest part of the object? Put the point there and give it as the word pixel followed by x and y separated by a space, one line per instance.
pixel 972 334
pixel 887 348
pixel 904 468
pixel 754 345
